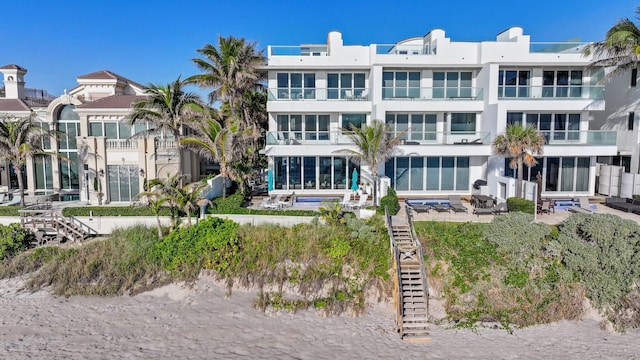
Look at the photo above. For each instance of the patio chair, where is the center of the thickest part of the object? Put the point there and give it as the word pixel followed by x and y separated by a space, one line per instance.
pixel 288 201
pixel 456 204
pixel 442 208
pixel 268 204
pixel 543 207
pixel 484 211
pixel 346 200
pixel 362 202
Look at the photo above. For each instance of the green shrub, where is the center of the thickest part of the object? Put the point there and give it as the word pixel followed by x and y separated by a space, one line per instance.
pixel 227 205
pixel 113 211
pixel 211 244
pixel 13 240
pixel 10 210
pixel 604 252
pixel 519 204
pixel 390 201
pixel 518 237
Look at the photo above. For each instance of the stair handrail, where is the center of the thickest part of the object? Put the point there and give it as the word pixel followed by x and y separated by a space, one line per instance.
pixel 418 245
pixel 396 260
pixel 89 230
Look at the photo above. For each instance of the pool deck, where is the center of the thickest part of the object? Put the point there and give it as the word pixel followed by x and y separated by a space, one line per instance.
pixel 552 218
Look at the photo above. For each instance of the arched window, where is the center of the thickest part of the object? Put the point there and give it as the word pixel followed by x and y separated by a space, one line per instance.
pixel 67 112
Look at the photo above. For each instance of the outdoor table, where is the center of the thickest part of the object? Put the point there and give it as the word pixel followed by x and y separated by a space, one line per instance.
pixel 481 200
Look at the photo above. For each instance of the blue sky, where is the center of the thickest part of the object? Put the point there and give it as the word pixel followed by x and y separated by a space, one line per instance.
pixel 154 41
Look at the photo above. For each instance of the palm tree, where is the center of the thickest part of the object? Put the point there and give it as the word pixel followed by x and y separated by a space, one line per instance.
pixel 188 197
pixel 214 142
pixel 20 139
pixel 521 144
pixel 168 108
pixel 620 50
pixel 156 201
pixel 165 191
pixel 230 70
pixel 373 145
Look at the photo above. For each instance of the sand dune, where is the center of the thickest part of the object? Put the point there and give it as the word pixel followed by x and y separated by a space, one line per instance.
pixel 202 323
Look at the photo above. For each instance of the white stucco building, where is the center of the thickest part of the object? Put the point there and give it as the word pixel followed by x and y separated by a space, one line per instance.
pixel 455 97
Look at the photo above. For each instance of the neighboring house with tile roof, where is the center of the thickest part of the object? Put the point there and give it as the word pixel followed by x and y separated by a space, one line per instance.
pixel 95 136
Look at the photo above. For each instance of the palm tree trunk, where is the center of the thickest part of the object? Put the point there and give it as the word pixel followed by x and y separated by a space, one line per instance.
pixel 520 178
pixel 18 170
pixel 159 226
pixel 224 187
pixel 375 191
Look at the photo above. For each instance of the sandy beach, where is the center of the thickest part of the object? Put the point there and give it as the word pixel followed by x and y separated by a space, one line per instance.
pixel 201 322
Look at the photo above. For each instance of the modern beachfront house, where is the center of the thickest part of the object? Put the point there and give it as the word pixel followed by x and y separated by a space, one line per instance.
pixel 106 163
pixel 454 97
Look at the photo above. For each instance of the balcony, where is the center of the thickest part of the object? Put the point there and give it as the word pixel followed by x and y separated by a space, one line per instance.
pixel 395 49
pixel 557 47
pixel 434 93
pixel 560 92
pixel 318 94
pixel 340 138
pixel 571 137
pixel 121 144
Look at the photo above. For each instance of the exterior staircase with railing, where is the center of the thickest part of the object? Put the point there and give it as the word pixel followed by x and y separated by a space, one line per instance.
pixel 411 286
pixel 50 226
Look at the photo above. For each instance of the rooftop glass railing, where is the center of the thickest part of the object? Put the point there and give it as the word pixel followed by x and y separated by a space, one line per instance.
pixel 395 49
pixel 557 47
pixel 558 92
pixel 314 50
pixel 433 93
pixel 297 94
pixel 575 137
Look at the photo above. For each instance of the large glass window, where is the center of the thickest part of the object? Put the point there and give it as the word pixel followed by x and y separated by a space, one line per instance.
pixel 347 86
pixel 420 127
pixel 452 84
pixel 440 174
pixel 400 84
pixel 556 127
pixel 43 172
pixel 292 127
pixel 567 174
pixel 309 172
pixel 513 83
pixel 296 86
pixel 562 83
pixel 296 172
pixel 68 147
pixel 463 122
pixel 124 182
pixel 355 120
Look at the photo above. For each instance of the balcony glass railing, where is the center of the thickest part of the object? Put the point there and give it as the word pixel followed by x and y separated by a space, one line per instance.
pixel 312 50
pixel 413 138
pixel 557 47
pixel 575 137
pixel 288 94
pixel 434 93
pixel 395 49
pixel 558 92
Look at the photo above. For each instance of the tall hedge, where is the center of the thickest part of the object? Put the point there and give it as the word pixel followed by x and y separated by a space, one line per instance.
pixel 13 240
pixel 519 204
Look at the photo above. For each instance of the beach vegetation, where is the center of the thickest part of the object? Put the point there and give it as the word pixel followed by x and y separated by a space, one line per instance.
pixel 14 239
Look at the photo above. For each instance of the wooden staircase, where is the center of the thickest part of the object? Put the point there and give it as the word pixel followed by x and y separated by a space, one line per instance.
pixel 51 227
pixel 412 293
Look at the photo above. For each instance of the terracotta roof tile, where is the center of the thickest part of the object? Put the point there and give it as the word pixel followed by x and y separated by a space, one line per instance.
pixel 106 74
pixel 111 102
pixel 13 105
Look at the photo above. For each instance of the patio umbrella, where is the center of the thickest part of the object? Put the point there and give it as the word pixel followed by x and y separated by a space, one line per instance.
pixel 354 180
pixel 269 180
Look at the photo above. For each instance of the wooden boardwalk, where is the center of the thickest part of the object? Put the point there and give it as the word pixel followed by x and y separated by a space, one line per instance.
pixel 51 227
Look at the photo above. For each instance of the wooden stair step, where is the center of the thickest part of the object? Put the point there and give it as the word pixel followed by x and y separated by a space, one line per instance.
pixel 415 332
pixel 414 318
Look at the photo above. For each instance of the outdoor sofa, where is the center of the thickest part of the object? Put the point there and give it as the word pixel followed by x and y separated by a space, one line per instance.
pixel 623 204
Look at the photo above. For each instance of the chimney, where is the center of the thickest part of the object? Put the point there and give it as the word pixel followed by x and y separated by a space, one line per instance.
pixel 13 81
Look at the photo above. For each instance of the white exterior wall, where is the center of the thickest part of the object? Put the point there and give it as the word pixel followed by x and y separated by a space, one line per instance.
pixel 511 50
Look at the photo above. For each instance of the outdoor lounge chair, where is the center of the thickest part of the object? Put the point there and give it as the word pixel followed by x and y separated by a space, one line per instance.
pixel 346 200
pixel 268 204
pixel 420 208
pixel 583 207
pixel 484 211
pixel 362 202
pixel 442 208
pixel 456 204
pixel 500 208
pixel 15 201
pixel 288 201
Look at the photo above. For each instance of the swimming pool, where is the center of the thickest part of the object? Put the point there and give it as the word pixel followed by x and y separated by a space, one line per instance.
pixel 315 200
pixel 427 202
